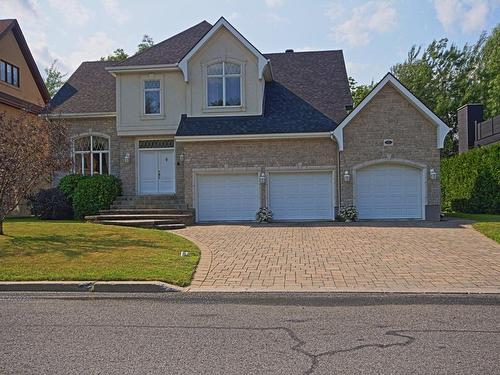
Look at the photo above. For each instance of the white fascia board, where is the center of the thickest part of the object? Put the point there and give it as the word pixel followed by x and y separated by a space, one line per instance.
pixel 80 115
pixel 251 137
pixel 142 68
pixel 222 22
pixel 442 128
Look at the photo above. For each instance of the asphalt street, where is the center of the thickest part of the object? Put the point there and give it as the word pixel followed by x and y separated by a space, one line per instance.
pixel 189 333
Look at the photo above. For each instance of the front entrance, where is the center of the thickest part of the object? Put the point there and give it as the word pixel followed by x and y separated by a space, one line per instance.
pixel 156 171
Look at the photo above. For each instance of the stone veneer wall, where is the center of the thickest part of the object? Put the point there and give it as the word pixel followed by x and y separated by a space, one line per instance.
pixel 256 156
pixel 390 116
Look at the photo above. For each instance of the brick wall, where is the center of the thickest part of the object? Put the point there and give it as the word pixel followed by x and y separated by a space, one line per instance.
pixel 390 116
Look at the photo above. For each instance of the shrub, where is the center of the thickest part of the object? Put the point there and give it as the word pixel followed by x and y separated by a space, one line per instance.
pixel 264 215
pixel 470 182
pixel 348 213
pixel 51 204
pixel 68 184
pixel 95 193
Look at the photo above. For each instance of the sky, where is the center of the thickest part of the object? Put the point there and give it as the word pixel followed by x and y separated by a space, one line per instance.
pixel 374 34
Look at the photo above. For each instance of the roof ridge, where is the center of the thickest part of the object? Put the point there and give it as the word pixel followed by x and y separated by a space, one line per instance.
pixel 296 52
pixel 164 41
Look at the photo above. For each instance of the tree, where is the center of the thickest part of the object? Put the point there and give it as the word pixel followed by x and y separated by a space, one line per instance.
pixel 31 151
pixel 359 92
pixel 119 54
pixel 489 74
pixel 55 79
pixel 146 42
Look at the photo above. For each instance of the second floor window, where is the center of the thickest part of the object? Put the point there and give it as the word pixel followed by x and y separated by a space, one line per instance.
pixel 224 84
pixel 91 155
pixel 9 73
pixel 152 97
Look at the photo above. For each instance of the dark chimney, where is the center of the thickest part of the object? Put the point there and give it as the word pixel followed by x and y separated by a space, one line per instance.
pixel 289 50
pixel 467 116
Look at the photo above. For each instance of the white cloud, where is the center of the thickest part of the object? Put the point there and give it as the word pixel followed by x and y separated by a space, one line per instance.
pixel 468 15
pixel 92 48
pixel 116 11
pixel 72 11
pixel 233 16
pixel 274 3
pixel 364 20
pixel 275 18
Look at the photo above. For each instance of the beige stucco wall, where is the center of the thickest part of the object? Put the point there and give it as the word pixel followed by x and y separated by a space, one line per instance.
pixel 255 156
pixel 28 89
pixel 130 104
pixel 390 116
pixel 223 46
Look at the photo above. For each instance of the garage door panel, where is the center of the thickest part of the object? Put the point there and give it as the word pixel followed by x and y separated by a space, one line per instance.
pixel 227 197
pixel 301 195
pixel 389 192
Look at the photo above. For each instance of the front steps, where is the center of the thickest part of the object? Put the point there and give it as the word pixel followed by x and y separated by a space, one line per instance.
pixel 154 211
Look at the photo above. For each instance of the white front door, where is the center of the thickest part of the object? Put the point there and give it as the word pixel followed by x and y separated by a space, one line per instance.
pixel 156 171
pixel 389 192
pixel 301 195
pixel 227 197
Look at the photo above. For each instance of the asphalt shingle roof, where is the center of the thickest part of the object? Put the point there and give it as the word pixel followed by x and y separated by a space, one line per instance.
pixel 284 112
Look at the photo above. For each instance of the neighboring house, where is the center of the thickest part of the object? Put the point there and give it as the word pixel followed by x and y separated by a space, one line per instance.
pixel 205 120
pixel 22 89
pixel 473 130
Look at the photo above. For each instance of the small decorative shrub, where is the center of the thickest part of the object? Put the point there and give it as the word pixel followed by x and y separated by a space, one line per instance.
pixel 68 184
pixel 264 215
pixel 349 213
pixel 95 193
pixel 51 204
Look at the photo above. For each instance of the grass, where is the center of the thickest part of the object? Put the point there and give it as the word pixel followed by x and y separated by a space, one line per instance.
pixel 34 249
pixel 489 225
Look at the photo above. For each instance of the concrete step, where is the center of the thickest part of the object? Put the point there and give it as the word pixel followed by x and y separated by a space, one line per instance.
pixel 148 206
pixel 147 223
pixel 152 211
pixel 170 226
pixel 139 216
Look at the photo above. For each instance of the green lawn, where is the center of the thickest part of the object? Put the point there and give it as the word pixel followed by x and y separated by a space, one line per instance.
pixel 489 225
pixel 34 249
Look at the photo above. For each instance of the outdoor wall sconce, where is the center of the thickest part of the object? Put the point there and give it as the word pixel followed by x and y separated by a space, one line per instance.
pixel 433 174
pixel 181 158
pixel 262 178
pixel 347 176
pixel 126 158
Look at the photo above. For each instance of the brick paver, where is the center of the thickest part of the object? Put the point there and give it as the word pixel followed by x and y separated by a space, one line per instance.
pixel 370 256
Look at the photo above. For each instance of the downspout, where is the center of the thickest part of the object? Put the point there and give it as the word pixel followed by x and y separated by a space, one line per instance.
pixel 339 190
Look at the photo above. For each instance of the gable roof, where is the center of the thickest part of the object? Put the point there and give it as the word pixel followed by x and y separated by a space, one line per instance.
pixel 90 89
pixel 7 25
pixel 318 77
pixel 442 128
pixel 222 22
pixel 284 113
pixel 171 50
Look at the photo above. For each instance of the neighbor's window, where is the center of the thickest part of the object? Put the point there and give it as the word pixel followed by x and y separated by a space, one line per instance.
pixel 9 73
pixel 91 155
pixel 223 84
pixel 152 97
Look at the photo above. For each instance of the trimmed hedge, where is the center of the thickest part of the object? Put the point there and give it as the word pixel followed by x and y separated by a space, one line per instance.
pixel 95 193
pixel 68 184
pixel 470 182
pixel 51 204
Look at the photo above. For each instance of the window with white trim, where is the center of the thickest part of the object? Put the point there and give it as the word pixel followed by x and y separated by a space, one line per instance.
pixel 152 97
pixel 223 85
pixel 91 155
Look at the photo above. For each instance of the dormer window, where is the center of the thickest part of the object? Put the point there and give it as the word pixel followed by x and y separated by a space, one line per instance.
pixel 224 85
pixel 152 97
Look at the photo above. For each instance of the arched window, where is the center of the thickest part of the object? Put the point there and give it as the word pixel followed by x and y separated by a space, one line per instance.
pixel 91 155
pixel 223 84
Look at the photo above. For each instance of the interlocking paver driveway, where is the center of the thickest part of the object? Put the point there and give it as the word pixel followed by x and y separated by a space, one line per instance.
pixel 370 256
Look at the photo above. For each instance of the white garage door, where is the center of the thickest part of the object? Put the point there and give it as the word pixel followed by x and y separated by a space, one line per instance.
pixel 230 197
pixel 389 192
pixel 301 195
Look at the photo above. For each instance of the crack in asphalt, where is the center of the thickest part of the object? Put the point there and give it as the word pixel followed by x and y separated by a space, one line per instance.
pixel 299 343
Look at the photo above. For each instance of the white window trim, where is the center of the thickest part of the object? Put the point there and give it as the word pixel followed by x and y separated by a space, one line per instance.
pixel 81 153
pixel 224 108
pixel 161 114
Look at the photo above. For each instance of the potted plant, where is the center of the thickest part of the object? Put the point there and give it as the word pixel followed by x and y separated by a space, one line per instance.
pixel 264 215
pixel 348 214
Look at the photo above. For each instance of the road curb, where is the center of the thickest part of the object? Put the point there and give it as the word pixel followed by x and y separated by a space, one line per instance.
pixel 89 286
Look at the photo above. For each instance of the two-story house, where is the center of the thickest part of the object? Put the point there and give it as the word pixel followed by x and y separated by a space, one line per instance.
pixel 204 119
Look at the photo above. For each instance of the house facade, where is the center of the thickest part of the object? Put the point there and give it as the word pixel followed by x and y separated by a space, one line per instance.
pixel 208 120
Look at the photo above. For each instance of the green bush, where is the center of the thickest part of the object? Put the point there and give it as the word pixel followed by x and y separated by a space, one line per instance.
pixel 95 193
pixel 68 184
pixel 51 204
pixel 470 182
